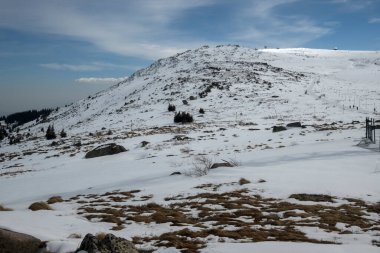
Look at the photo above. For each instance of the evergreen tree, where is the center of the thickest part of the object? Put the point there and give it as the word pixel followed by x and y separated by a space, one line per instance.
pixel 50 133
pixel 171 108
pixel 63 134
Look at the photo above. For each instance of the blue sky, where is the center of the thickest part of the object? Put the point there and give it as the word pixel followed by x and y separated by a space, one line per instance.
pixel 56 52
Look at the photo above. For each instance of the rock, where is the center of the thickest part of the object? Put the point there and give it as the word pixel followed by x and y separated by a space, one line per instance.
pixel 294 124
pixel 109 244
pixel 106 149
pixel 144 143
pixel 278 129
pixel 175 173
pixel 13 242
pixel 217 165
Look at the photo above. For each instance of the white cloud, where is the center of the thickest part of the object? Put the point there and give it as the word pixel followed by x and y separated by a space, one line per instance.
pixel 374 21
pixel 100 80
pixel 131 28
pixel 147 28
pixel 94 66
pixel 57 66
pixel 263 26
pixel 353 5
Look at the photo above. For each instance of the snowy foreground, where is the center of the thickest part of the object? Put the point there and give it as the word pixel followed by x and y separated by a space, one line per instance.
pixel 309 189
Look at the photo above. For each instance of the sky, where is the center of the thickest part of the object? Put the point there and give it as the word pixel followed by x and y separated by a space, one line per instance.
pixel 54 52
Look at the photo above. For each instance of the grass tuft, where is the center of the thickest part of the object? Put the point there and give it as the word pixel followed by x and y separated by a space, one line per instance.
pixel 36 206
pixel 2 208
pixel 54 199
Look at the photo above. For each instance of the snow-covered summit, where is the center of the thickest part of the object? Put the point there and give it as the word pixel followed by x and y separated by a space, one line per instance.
pixel 228 81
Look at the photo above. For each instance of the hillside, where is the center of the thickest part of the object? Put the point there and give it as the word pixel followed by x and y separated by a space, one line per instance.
pixel 309 184
pixel 287 84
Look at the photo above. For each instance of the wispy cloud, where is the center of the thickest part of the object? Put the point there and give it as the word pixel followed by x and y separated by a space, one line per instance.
pixel 353 5
pixel 374 21
pixel 94 66
pixel 264 26
pixel 100 80
pixel 148 28
pixel 132 28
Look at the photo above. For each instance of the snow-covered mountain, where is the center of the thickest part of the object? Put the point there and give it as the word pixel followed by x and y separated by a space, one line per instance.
pixel 286 84
pixel 308 188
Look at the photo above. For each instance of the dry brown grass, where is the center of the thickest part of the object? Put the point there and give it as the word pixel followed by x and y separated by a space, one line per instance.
pixel 312 197
pixel 100 236
pixel 2 208
pixel 36 206
pixel 54 199
pixel 255 218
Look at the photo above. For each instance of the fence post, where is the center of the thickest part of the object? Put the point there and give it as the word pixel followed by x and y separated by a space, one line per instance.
pixel 374 130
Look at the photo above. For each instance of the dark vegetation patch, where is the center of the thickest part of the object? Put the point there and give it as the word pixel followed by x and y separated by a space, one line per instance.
pixel 183 117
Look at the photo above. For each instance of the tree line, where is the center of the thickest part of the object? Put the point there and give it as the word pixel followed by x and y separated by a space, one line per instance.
pixel 26 116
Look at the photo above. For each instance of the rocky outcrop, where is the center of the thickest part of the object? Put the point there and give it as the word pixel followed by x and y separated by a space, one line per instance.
pixel 278 129
pixel 109 244
pixel 13 242
pixel 106 149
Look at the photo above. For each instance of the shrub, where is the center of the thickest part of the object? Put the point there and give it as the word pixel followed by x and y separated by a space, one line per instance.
pixel 14 139
pixel 171 108
pixel 183 117
pixel 50 133
pixel 201 166
pixel 3 134
pixel 201 111
pixel 63 134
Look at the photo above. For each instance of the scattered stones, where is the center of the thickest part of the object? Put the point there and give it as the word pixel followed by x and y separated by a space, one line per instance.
pixel 110 243
pixel 13 242
pixel 106 149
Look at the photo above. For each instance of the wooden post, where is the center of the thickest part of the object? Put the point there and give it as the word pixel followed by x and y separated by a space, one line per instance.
pixel 374 130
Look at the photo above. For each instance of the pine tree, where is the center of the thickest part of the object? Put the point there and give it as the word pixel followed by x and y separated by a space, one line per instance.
pixel 50 133
pixel 63 134
pixel 171 108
